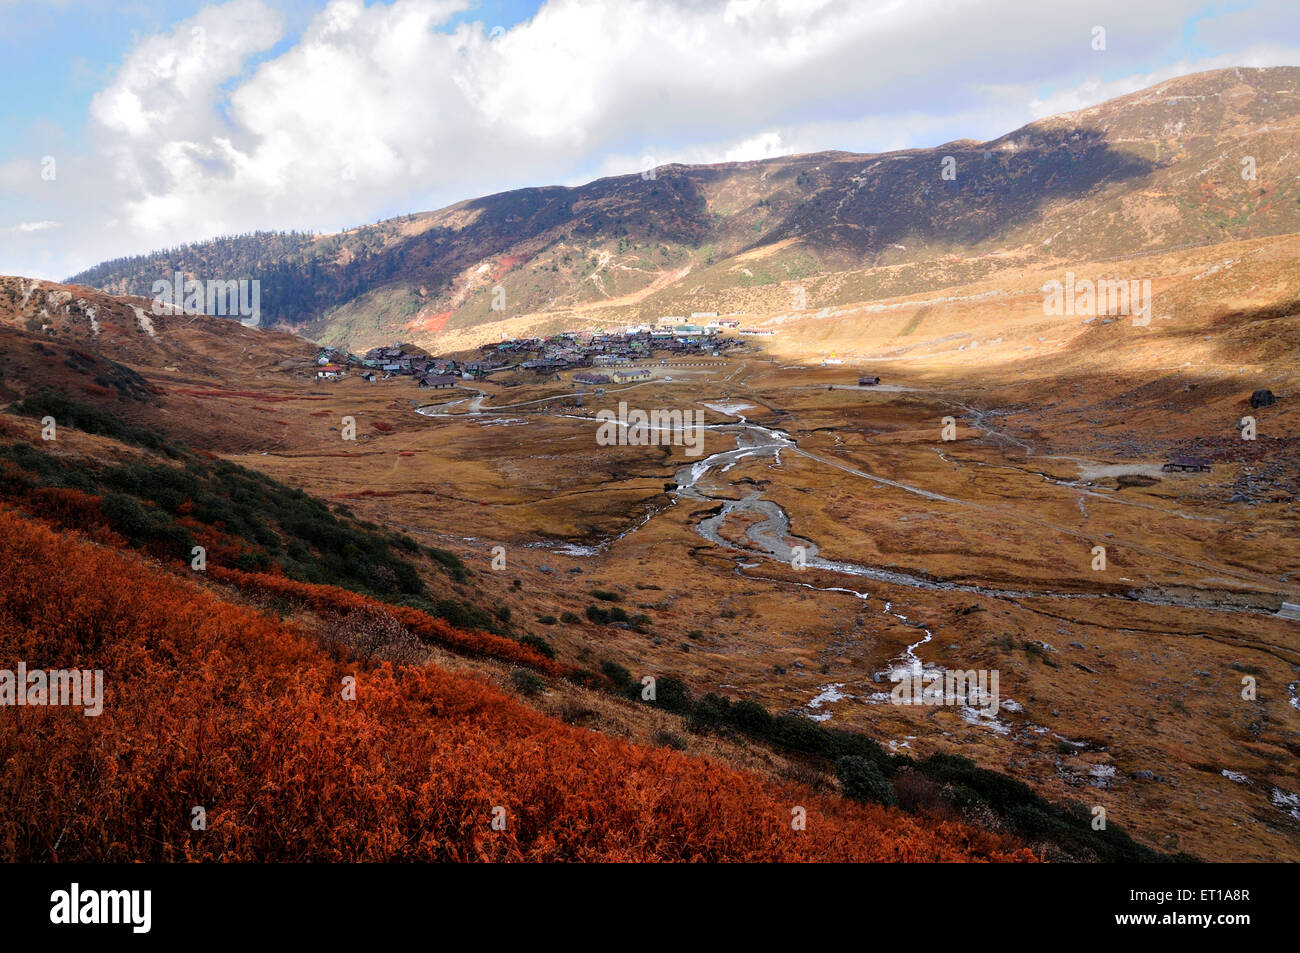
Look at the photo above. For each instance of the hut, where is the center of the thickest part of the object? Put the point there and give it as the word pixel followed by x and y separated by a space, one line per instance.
pixel 1187 464
pixel 438 381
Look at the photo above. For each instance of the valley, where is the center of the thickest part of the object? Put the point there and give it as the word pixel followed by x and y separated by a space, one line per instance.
pixel 1121 687
pixel 1095 507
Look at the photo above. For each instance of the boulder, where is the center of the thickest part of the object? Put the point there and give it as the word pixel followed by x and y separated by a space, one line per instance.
pixel 1262 398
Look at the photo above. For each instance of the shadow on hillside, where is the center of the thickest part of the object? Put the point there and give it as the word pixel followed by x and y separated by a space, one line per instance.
pixel 828 201
pixel 990 192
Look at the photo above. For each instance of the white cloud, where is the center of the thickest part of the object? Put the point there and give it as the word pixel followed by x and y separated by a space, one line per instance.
pixel 224 124
pixel 763 146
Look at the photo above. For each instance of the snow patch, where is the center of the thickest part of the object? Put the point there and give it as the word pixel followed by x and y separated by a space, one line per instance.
pixel 145 322
pixel 829 694
pixel 1287 801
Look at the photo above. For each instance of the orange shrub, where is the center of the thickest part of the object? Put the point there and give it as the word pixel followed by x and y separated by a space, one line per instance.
pixel 71 509
pixel 215 705
pixel 323 598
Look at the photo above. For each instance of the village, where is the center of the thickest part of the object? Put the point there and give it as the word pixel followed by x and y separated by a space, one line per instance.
pixel 599 357
pixel 592 359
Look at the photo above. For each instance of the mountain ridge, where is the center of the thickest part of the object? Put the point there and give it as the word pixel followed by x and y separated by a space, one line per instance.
pixel 1151 170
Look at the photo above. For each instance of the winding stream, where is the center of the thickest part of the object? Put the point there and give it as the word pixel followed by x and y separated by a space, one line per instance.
pixel 769 535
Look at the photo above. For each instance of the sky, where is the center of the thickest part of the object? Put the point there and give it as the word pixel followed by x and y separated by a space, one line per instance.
pixel 137 125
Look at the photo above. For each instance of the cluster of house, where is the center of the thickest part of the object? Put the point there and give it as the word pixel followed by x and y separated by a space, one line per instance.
pixel 613 352
pixel 624 375
pixel 333 364
pixel 385 362
pixel 411 361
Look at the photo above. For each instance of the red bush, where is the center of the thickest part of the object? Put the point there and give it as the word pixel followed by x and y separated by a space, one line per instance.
pixel 218 705
pixel 71 509
pixel 322 598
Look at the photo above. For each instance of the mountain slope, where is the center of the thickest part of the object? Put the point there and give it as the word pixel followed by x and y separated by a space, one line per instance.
pixel 1157 169
pixel 241 706
pixel 215 705
pixel 362 592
